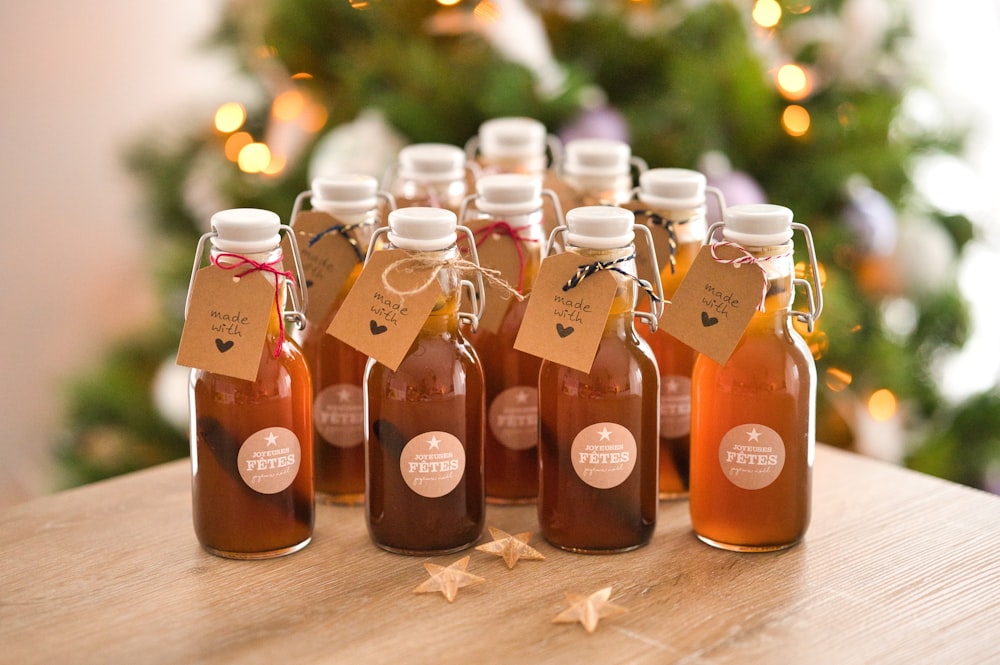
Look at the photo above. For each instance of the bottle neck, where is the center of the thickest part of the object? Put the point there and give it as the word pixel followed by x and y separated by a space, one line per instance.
pixel 600 190
pixel 359 226
pixel 270 265
pixel 621 261
pixel 778 265
pixel 687 224
pixel 440 266
pixel 527 233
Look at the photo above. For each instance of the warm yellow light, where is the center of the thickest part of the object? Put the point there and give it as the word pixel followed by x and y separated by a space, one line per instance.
pixel 302 76
pixel 882 405
pixel 838 380
pixel 229 117
pixel 275 165
pixel 313 118
pixel 288 105
pixel 766 13
pixel 235 143
pixel 795 120
pixel 793 82
pixel 448 3
pixel 360 4
pixel 254 158
pixel 486 11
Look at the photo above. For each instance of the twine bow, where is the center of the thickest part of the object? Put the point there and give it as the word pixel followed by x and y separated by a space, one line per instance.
pixel 669 226
pixel 241 261
pixel 515 234
pixel 345 231
pixel 588 269
pixel 746 258
pixel 433 266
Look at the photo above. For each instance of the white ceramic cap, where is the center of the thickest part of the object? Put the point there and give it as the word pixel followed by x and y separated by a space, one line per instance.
pixel 432 162
pixel 597 157
pixel 672 189
pixel 757 224
pixel 509 194
pixel 422 229
pixel 600 227
pixel 344 193
pixel 512 138
pixel 246 230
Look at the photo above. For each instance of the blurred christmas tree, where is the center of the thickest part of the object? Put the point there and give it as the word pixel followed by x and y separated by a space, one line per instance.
pixel 799 103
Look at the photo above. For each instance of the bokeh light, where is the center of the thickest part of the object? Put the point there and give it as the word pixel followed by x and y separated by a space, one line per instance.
pixel 882 405
pixel 793 82
pixel 254 158
pixel 795 120
pixel 766 13
pixel 229 117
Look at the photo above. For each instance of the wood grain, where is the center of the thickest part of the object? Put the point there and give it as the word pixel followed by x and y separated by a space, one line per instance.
pixel 897 567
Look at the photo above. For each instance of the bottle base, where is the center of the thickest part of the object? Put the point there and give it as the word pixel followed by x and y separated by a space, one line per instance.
pixel 252 556
pixel 680 495
pixel 340 499
pixel 594 550
pixel 511 501
pixel 419 552
pixel 731 547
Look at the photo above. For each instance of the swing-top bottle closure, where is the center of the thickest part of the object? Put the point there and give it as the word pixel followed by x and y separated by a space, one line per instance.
pixel 343 196
pixel 680 191
pixel 611 227
pixel 245 231
pixel 510 195
pixel 426 229
pixel 761 226
pixel 513 139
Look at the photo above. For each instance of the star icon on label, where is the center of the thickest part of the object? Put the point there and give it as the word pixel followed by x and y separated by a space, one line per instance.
pixel 605 434
pixel 753 435
pixel 272 439
pixel 344 395
pixel 522 397
pixel 448 579
pixel 589 610
pixel 434 443
pixel 511 548
pixel 672 386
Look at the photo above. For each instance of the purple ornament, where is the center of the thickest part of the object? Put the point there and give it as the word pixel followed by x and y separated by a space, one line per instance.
pixel 872 219
pixel 737 187
pixel 601 123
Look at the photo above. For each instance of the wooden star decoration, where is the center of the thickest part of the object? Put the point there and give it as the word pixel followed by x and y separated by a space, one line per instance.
pixel 589 610
pixel 448 579
pixel 511 548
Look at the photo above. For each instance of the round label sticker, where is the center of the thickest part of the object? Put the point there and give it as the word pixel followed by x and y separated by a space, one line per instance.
pixel 604 455
pixel 269 459
pixel 675 406
pixel 752 456
pixel 513 417
pixel 339 415
pixel 432 463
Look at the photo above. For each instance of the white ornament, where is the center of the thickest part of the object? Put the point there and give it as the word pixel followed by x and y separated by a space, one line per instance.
pixel 366 146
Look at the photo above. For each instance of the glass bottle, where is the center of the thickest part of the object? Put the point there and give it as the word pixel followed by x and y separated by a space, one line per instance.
pixel 753 419
pixel 671 203
pixel 337 368
pixel 236 422
pixel 508 208
pixel 424 421
pixel 597 172
pixel 519 145
pixel 601 424
pixel 434 175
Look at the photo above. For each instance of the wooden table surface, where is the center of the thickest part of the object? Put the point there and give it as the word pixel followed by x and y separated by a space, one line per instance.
pixel 897 567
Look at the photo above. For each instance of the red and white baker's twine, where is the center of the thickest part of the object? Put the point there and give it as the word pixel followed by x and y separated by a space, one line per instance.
pixel 240 261
pixel 746 258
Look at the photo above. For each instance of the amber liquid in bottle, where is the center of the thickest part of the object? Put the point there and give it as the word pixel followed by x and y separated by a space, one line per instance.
pixel 676 362
pixel 511 436
pixel 621 391
pixel 232 519
pixel 338 371
pixel 747 415
pixel 436 393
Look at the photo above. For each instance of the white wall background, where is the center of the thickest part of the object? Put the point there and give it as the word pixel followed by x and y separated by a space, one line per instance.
pixel 80 80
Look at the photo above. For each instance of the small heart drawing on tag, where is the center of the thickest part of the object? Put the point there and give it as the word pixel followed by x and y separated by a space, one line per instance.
pixel 376 328
pixel 708 321
pixel 223 346
pixel 564 331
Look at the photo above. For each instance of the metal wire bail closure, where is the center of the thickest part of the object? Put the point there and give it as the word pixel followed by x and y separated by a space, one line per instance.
pixel 654 292
pixel 813 290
